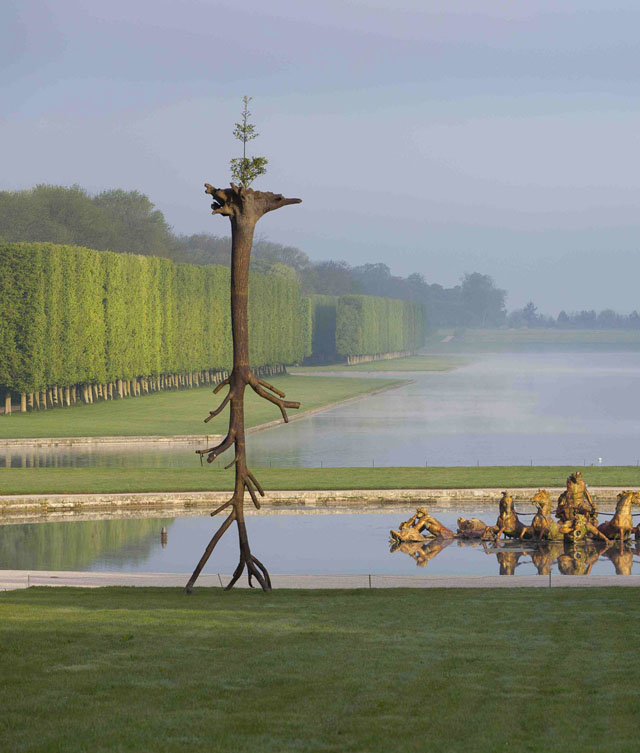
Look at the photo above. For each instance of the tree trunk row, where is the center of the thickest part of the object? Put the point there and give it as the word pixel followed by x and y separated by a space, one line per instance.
pixel 352 360
pixel 57 397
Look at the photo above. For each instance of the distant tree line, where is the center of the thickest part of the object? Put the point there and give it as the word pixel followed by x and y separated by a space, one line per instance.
pixel 528 316
pixel 127 221
pixel 116 220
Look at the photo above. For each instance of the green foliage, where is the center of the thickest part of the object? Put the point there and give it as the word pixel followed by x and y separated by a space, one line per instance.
pixel 306 325
pixel 245 170
pixel 117 220
pixel 164 478
pixel 22 299
pixel 72 315
pixel 483 303
pixel 368 325
pixel 277 329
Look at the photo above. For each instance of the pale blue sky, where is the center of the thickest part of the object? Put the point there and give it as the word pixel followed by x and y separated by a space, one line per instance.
pixel 440 137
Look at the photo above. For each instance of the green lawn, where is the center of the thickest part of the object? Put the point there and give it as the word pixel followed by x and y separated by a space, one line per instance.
pixel 361 671
pixel 179 412
pixel 505 340
pixel 112 480
pixel 410 363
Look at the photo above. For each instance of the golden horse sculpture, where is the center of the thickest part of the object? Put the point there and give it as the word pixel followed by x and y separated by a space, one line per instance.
pixel 573 525
pixel 576 513
pixel 508 522
pixel 621 525
pixel 543 525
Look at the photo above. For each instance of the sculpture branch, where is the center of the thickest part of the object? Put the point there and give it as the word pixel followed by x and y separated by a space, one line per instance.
pixel 282 404
pixel 221 508
pixel 271 387
pixel 213 452
pixel 220 408
pixel 219 386
pixel 207 552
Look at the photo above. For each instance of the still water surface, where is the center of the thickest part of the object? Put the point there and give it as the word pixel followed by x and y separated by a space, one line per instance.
pixel 290 543
pixel 507 409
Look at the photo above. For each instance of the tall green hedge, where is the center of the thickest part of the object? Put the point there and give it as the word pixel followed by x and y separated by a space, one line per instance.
pixel 71 315
pixel 369 325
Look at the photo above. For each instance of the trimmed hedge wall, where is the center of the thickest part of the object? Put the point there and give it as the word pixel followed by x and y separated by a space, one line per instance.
pixel 369 325
pixel 71 315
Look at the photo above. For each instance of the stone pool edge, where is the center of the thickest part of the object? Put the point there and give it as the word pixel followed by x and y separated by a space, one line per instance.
pixel 19 579
pixel 43 504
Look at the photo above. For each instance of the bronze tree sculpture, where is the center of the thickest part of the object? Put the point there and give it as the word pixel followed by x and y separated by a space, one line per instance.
pixel 244 207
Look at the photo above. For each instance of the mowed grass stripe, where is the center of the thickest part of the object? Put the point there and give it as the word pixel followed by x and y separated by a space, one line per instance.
pixel 100 480
pixel 369 670
pixel 409 363
pixel 181 412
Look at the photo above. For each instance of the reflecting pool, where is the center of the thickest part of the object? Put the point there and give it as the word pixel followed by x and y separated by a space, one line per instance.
pixel 297 544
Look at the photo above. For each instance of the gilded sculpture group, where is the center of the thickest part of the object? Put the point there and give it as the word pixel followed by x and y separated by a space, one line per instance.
pixel 568 536
pixel 574 519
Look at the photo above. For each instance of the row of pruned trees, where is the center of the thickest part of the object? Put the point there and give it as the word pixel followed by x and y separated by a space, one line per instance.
pixel 77 323
pixel 356 326
pixel 84 325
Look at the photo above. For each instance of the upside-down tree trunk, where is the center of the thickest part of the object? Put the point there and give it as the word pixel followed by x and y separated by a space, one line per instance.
pixel 244 207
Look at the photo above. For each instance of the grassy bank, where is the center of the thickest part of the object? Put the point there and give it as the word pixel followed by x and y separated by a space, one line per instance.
pixel 179 412
pixel 410 363
pixel 509 340
pixel 391 670
pixel 112 480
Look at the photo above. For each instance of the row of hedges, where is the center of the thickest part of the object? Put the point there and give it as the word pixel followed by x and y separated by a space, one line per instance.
pixel 71 315
pixel 369 325
pixel 364 325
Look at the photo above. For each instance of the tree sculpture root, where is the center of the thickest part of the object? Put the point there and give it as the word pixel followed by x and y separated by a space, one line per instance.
pixel 245 479
pixel 244 207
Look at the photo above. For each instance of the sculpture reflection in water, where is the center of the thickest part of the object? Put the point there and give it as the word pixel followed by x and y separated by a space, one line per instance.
pixel 568 536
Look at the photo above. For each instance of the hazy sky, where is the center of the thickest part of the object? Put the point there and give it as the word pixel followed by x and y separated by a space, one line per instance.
pixel 437 136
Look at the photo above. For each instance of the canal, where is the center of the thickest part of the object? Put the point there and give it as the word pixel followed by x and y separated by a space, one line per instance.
pixel 507 409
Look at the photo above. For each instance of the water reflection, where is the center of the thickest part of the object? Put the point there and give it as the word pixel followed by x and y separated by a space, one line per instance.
pixel 421 553
pixel 568 557
pixel 171 455
pixel 299 544
pixel 82 545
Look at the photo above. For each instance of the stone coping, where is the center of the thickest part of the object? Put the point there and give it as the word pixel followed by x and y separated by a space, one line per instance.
pixel 41 505
pixel 17 579
pixel 110 441
pixel 187 438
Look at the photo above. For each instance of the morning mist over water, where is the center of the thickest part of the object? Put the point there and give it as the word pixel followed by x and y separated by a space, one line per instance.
pixel 545 408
